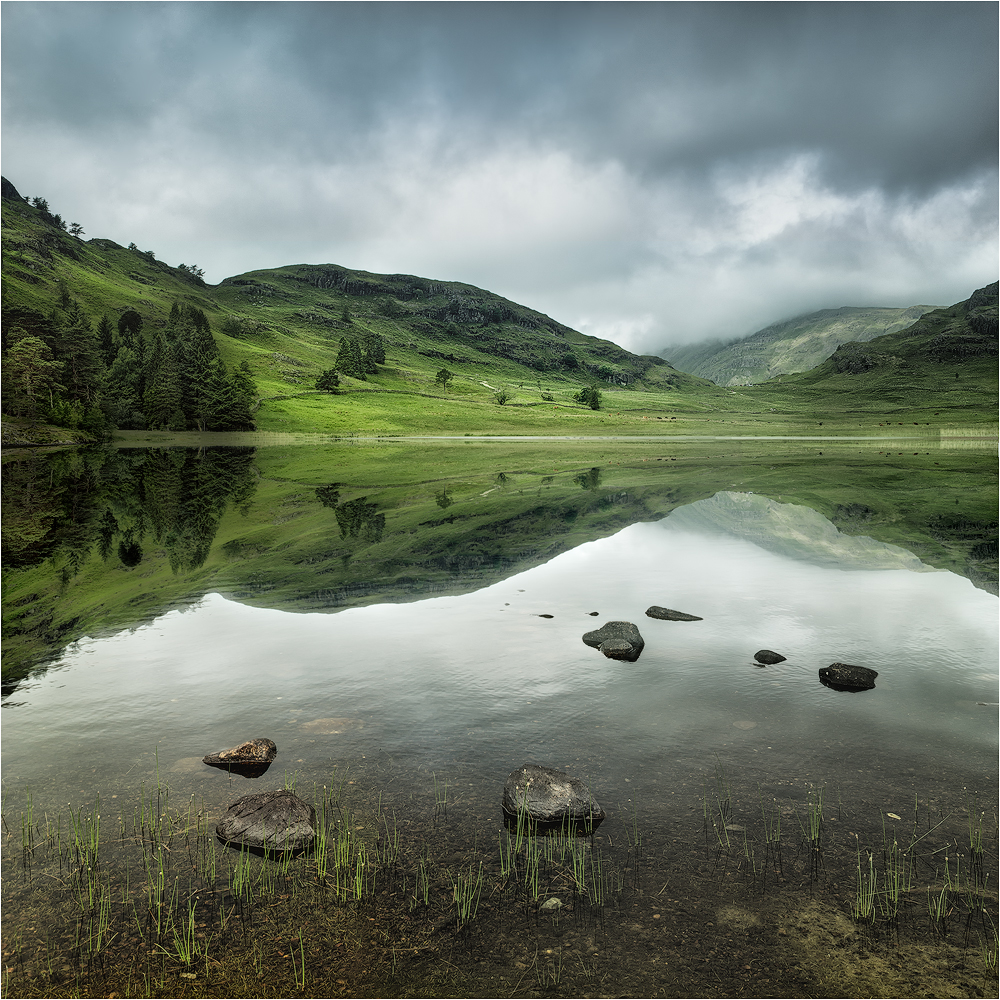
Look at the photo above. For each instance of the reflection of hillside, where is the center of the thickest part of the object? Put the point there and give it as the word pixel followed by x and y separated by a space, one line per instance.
pixel 793 531
pixel 105 540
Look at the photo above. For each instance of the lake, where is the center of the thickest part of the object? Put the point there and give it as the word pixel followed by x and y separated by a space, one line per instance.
pixel 405 622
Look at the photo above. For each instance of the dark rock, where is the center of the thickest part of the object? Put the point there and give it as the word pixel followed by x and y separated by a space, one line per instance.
pixel 846 677
pixel 613 637
pixel 550 797
pixel 594 614
pixel 768 656
pixel 250 759
pixel 275 821
pixel 546 616
pixel 671 616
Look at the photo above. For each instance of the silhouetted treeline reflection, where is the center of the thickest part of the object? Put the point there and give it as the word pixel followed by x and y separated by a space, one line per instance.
pixel 117 503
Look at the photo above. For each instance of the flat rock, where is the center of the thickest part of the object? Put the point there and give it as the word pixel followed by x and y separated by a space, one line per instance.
pixel 550 797
pixel 847 677
pixel 617 640
pixel 767 656
pixel 250 759
pixel 273 821
pixel 669 615
pixel 258 751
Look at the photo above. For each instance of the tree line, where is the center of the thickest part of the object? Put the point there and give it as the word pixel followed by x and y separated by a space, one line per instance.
pixel 62 369
pixel 358 356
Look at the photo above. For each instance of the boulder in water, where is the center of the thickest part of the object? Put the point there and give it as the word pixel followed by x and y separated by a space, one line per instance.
pixel 617 640
pixel 272 821
pixel 847 677
pixel 768 656
pixel 250 759
pixel 669 615
pixel 550 798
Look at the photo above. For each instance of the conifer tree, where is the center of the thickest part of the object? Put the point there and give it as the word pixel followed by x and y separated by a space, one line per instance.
pixel 349 358
pixel 163 396
pixel 80 352
pixel 105 334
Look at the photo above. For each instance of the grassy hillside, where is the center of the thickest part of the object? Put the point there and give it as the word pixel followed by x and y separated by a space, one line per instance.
pixel 276 331
pixel 794 345
pixel 284 327
pixel 947 358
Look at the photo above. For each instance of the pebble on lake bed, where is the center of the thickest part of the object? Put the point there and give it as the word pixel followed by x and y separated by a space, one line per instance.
pixel 331 727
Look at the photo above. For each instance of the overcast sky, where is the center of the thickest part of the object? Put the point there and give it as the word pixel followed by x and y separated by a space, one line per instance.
pixel 652 173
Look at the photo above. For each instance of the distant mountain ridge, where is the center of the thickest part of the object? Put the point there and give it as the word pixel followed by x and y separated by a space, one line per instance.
pixel 793 345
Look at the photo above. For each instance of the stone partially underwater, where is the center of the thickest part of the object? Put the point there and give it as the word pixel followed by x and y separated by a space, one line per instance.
pixel 250 759
pixel 669 615
pixel 768 657
pixel 550 799
pixel 847 677
pixel 269 821
pixel 616 640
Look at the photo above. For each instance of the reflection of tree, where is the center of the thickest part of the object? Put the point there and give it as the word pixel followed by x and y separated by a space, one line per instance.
pixel 329 496
pixel 360 518
pixel 65 506
pixel 443 500
pixel 589 480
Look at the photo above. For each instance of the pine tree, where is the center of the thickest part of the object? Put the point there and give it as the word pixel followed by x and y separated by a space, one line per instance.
pixel 163 396
pixel 80 351
pixel 373 346
pixel 349 358
pixel 129 327
pixel 124 390
pixel 106 335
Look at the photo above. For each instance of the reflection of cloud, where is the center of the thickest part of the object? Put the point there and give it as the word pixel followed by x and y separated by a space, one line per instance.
pixel 791 530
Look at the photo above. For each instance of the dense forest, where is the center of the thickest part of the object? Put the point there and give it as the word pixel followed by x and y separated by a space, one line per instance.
pixel 63 369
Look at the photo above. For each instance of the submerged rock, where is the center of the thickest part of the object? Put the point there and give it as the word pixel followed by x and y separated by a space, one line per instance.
pixel 767 656
pixel 617 640
pixel 847 677
pixel 275 821
pixel 250 759
pixel 550 797
pixel 669 615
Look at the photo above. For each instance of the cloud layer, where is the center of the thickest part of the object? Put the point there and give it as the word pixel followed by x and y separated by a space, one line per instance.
pixel 654 173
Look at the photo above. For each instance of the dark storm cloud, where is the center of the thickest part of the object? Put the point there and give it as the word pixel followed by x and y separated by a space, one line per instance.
pixel 543 150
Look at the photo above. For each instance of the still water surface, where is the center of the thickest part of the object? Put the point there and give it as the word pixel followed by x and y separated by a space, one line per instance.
pixel 479 684
pixel 407 628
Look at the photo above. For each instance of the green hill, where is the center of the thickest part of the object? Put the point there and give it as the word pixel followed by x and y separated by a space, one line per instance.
pixel 79 304
pixel 101 339
pixel 948 357
pixel 793 345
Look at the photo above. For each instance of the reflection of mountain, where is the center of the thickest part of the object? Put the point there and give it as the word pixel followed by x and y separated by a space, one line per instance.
pixel 791 530
pixel 103 540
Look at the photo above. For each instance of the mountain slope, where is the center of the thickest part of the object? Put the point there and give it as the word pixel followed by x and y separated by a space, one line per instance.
pixel 280 329
pixel 793 345
pixel 948 357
